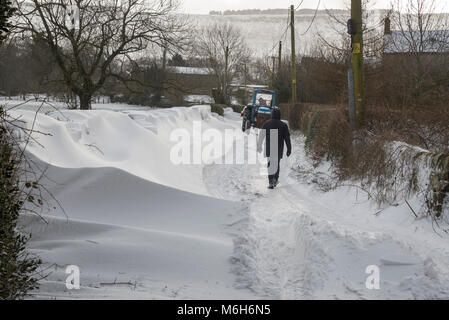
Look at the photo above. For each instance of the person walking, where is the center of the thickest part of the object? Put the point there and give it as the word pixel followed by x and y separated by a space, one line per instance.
pixel 275 133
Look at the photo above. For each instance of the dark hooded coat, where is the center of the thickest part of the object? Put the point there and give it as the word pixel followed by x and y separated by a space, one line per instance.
pixel 283 134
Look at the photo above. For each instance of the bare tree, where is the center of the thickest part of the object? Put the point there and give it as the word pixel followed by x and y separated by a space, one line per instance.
pixel 224 51
pixel 337 45
pixel 93 40
pixel 420 36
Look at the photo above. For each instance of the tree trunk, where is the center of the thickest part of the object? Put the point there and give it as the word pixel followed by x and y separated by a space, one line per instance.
pixel 85 101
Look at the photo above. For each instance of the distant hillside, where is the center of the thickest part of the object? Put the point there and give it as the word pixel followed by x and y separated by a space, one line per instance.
pixel 284 11
pixel 262 30
pixel 271 12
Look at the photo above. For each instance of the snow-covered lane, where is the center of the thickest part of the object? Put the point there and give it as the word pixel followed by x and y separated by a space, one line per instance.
pixel 139 226
pixel 300 243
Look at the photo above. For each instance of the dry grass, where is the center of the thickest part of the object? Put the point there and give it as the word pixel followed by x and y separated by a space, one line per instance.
pixel 388 156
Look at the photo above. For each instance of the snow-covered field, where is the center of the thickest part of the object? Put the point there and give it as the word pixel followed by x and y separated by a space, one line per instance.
pixel 262 33
pixel 139 226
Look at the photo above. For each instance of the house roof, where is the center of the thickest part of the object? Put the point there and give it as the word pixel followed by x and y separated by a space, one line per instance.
pixel 189 70
pixel 430 41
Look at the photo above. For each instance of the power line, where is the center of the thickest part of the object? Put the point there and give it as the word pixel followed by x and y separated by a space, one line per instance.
pixel 313 19
pixel 283 35
pixel 299 5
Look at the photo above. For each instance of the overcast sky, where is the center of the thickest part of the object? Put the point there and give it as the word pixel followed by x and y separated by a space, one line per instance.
pixel 204 6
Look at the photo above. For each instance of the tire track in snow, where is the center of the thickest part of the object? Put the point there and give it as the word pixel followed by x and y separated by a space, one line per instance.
pixel 267 258
pixel 291 246
pixel 277 254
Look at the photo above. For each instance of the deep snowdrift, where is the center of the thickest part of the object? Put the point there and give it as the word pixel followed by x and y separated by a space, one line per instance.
pixel 140 227
pixel 134 141
pixel 121 228
pixel 137 226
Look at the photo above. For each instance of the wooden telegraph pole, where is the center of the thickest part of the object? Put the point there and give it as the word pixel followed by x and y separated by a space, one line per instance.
pixel 273 62
pixel 225 93
pixel 357 61
pixel 293 66
pixel 280 56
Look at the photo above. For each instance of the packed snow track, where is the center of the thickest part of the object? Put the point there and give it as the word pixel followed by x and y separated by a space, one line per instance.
pixel 139 226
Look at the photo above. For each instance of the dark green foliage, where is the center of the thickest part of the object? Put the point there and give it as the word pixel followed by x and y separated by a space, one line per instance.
pixel 6 12
pixel 218 108
pixel 237 108
pixel 218 96
pixel 27 66
pixel 147 86
pixel 16 267
pixel 177 60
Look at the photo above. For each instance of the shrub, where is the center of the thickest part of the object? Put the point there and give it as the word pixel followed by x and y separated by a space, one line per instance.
pixel 237 108
pixel 218 108
pixel 311 129
pixel 16 266
pixel 397 153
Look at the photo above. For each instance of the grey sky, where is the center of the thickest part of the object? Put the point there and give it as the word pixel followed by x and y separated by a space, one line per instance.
pixel 204 6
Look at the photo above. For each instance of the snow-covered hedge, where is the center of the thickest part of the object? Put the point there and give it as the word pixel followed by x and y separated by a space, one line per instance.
pixel 396 156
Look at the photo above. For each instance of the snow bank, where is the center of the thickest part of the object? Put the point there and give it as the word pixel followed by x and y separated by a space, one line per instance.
pixel 134 141
pixel 199 99
pixel 137 226
pixel 163 242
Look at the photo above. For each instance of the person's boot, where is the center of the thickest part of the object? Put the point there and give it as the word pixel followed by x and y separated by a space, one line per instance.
pixel 275 182
pixel 271 186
